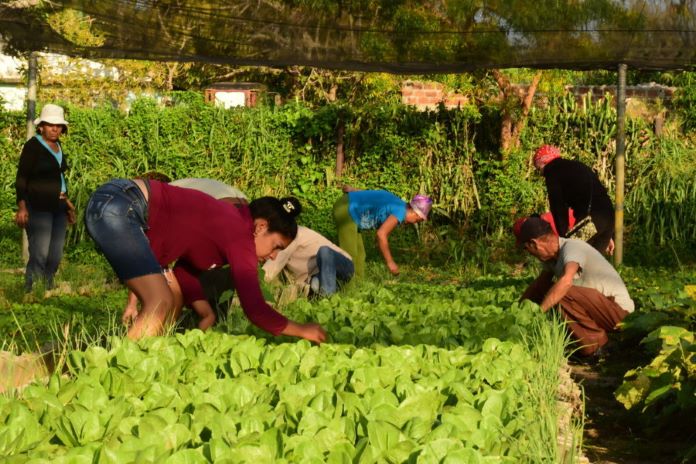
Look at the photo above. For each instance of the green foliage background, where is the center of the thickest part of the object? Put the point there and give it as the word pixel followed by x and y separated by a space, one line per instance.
pixel 450 154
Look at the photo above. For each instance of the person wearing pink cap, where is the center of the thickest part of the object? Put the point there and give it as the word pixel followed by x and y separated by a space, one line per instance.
pixel 571 184
pixel 374 209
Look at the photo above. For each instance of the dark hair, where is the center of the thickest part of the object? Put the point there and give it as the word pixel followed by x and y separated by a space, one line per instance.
pixel 534 227
pixel 156 175
pixel 280 214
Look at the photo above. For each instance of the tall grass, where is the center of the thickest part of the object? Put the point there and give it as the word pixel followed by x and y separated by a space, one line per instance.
pixel 557 437
pixel 662 200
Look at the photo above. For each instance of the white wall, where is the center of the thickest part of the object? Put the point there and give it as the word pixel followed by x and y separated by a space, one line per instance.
pixel 13 97
pixel 13 84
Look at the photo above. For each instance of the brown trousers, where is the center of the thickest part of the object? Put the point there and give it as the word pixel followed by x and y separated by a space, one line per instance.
pixel 589 315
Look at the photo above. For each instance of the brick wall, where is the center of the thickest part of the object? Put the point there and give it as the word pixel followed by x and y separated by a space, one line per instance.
pixel 429 95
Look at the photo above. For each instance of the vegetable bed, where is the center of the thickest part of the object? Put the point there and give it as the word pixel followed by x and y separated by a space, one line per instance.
pixel 482 390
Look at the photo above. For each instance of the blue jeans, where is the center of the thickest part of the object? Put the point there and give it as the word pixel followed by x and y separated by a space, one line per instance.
pixel 116 218
pixel 333 267
pixel 46 236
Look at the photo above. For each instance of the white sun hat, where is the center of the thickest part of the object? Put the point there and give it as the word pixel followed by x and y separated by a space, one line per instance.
pixel 51 114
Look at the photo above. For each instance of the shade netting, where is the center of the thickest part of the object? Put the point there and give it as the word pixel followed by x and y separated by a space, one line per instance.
pixel 368 35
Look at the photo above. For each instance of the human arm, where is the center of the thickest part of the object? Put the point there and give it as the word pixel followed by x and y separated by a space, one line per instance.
pixel 310 331
pixel 245 276
pixel 561 287
pixel 22 215
pixel 383 242
pixel 70 212
pixel 537 289
pixel 557 205
pixel 27 161
pixel 205 312
pixel 184 282
pixel 130 312
pixel 610 247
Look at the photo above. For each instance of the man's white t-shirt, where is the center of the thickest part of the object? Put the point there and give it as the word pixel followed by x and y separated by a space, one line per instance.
pixel 595 271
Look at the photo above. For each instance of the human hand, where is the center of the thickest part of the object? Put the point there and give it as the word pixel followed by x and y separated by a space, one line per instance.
pixel 610 247
pixel 72 216
pixel 393 268
pixel 70 212
pixel 313 332
pixel 22 217
pixel 310 331
pixel 130 313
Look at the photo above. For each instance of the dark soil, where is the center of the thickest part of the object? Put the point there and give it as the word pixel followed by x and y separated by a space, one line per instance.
pixel 615 435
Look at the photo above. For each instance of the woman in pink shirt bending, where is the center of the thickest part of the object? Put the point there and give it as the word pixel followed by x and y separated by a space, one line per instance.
pixel 143 226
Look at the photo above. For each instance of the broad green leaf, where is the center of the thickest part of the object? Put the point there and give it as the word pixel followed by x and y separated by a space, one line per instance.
pixel 78 426
pixel 383 435
pixel 436 450
pixel 494 404
pixel 341 453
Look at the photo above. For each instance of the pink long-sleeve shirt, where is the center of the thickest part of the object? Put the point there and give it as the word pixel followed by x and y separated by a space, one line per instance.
pixel 199 233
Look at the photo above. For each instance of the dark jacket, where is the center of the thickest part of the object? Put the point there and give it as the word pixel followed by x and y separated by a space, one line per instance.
pixel 571 184
pixel 38 177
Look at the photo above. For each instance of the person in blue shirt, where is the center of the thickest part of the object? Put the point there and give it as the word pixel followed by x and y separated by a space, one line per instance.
pixel 377 210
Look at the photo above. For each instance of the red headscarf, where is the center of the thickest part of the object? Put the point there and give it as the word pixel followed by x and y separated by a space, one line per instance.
pixel 548 217
pixel 545 154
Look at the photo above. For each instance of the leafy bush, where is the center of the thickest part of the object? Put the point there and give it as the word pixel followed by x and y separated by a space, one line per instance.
pixel 291 149
pixel 667 385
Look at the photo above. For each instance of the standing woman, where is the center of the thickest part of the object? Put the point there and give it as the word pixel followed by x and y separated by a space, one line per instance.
pixel 143 226
pixel 43 208
pixel 374 209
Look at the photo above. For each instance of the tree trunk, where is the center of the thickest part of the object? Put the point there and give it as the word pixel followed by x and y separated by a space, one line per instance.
pixel 171 73
pixel 331 96
pixel 340 155
pixel 526 106
pixel 512 98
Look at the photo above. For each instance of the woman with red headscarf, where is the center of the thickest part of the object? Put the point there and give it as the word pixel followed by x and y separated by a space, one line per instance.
pixel 571 184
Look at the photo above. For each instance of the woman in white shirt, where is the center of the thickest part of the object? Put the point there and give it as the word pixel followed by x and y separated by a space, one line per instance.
pixel 314 262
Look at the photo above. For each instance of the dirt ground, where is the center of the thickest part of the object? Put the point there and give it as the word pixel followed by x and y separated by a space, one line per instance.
pixel 614 435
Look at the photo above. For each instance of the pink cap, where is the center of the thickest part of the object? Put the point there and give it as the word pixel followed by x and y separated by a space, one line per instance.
pixel 421 204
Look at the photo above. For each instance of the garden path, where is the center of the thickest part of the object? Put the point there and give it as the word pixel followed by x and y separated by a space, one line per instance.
pixel 614 435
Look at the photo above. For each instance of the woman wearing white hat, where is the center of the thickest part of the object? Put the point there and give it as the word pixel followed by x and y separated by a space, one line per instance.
pixel 43 206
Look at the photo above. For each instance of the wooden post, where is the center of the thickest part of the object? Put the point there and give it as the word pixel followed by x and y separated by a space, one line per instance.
pixel 340 155
pixel 33 66
pixel 620 163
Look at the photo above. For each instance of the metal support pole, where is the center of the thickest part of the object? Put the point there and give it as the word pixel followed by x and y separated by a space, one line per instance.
pixel 620 164
pixel 31 94
pixel 33 66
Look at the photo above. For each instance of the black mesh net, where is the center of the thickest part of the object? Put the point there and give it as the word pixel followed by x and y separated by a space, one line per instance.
pixel 368 35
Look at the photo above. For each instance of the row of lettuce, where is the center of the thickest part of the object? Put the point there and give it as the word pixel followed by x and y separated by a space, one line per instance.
pixel 483 389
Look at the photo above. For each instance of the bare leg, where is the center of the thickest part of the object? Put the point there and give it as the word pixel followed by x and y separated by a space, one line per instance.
pixel 157 304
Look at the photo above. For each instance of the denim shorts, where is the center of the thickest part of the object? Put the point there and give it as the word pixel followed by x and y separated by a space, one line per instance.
pixel 116 219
